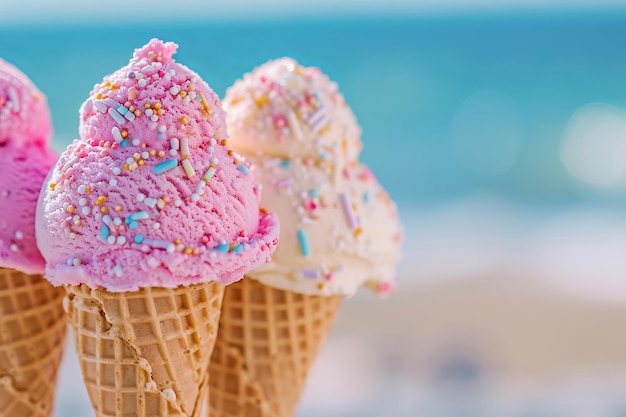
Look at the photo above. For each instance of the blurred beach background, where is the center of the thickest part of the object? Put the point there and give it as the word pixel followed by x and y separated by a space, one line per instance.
pixel 499 128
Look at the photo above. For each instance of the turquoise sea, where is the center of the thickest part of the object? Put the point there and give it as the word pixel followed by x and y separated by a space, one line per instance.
pixel 406 79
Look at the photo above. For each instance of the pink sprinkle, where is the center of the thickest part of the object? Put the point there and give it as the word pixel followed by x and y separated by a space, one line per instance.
pixel 132 93
pixel 386 287
pixel 82 154
pixel 94 143
pixel 279 121
pixel 310 205
pixel 346 173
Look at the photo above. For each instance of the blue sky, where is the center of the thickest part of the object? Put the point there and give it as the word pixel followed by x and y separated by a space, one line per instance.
pixel 92 11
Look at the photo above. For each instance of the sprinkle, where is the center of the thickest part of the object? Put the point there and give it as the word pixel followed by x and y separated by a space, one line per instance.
pixel 140 215
pixel 138 239
pixel 160 244
pixel 121 240
pixel 294 126
pixel 208 175
pixel 347 210
pixel 174 143
pixel 184 120
pixel 157 226
pixel 238 248
pixel 161 203
pixel 85 210
pixel 111 240
pixel 199 187
pixel 19 235
pixel 178 203
pixel 150 202
pixel 174 90
pixel 100 200
pixel 130 116
pixel 136 142
pixel 304 245
pixel 285 163
pixel 184 148
pixel 112 182
pixel 145 155
pixel 122 110
pixel 310 273
pixel 142 82
pixel 116 116
pixel 105 232
pixel 243 168
pixel 117 270
pixel 133 225
pixel 116 171
pixel 222 248
pixel 117 221
pixel 195 197
pixel 165 166
pixel 313 192
pixel 107 219
pixel 100 106
pixel 188 168
pixel 13 247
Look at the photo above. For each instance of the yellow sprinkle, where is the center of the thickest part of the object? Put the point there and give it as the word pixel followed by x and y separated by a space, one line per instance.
pixel 76 261
pixel 71 209
pixel 118 208
pixel 141 162
pixel 98 96
pixel 152 152
pixel 157 105
pixel 53 186
pixel 77 222
pixel 136 157
pixel 184 120
pixel 146 106
pixel 224 142
pixel 88 190
pixel 124 133
pixel 104 209
pixel 358 231
pixel 188 251
pixel 126 167
pixel 177 241
pixel 182 94
pixel 191 87
pixel 100 200
pixel 261 101
pixel 320 285
pixel 161 154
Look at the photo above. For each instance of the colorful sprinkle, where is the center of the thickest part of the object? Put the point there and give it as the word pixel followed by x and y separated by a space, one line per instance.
pixel 347 210
pixel 188 168
pixel 304 245
pixel 165 166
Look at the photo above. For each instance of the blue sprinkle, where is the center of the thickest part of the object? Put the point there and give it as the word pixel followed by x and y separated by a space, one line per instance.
pixel 124 143
pixel 243 169
pixel 238 249
pixel 131 75
pixel 313 192
pixel 304 245
pixel 138 239
pixel 133 225
pixel 70 261
pixel 165 166
pixel 222 248
pixel 130 116
pixel 366 197
pixel 105 231
pixel 122 110
pixel 285 163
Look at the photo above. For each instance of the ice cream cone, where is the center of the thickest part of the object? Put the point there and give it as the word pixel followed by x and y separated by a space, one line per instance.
pixel 267 341
pixel 145 353
pixel 32 337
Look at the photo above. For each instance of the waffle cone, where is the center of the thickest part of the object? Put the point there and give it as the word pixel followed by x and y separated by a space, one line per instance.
pixel 32 337
pixel 268 339
pixel 145 353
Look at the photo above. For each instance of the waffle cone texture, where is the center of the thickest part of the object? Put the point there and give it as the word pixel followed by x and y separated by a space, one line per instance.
pixel 145 353
pixel 267 340
pixel 32 338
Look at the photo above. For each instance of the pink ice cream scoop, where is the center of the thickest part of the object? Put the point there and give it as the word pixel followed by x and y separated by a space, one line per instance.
pixel 25 159
pixel 151 194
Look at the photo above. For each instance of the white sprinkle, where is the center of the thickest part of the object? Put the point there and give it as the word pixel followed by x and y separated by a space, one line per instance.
pixel 111 240
pixel 145 155
pixel 117 135
pixel 116 116
pixel 106 219
pixel 116 171
pixel 117 221
pixel 147 68
pixel 162 129
pixel 140 196
pixel 294 126
pixel 85 210
pixel 195 197
pixel 174 90
pixel 161 203
pixel 15 100
pixel 184 148
pixel 121 240
pixel 174 143
pixel 154 118
pixel 13 247
pixel 136 142
pixel 112 182
pixel 171 248
pixel 199 187
pixel 129 160
pixel 149 112
pixel 215 161
pixel 187 99
pixel 117 270
pixel 19 235
pixel 210 149
pixel 150 202
pixel 178 203
pixel 76 218
pixel 139 76
pixel 100 106
pixel 156 225
pixel 72 235
pixel 213 142
pixel 142 83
